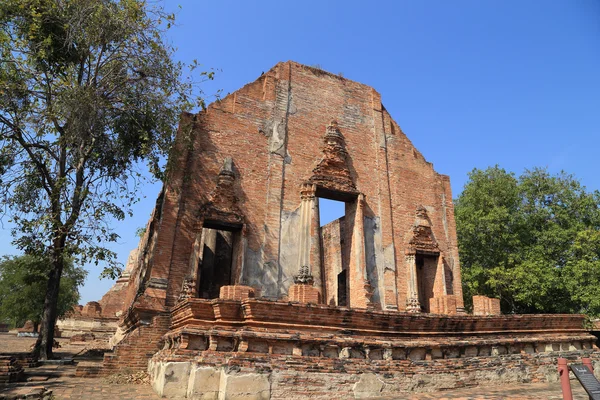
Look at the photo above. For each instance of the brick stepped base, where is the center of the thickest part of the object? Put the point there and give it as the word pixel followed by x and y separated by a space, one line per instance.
pixel 132 353
pixel 89 369
pixel 10 370
pixel 292 350
pixel 29 393
pixel 25 359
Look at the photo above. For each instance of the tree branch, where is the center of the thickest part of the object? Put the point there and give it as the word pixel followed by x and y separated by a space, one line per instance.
pixel 47 181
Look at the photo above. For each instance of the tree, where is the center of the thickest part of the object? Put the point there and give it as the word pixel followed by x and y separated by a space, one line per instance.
pixel 532 241
pixel 89 92
pixel 23 282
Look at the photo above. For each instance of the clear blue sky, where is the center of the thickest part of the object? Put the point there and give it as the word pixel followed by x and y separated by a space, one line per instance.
pixel 472 83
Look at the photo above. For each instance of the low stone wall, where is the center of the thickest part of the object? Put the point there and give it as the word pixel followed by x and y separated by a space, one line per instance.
pixel 255 376
pixel 101 328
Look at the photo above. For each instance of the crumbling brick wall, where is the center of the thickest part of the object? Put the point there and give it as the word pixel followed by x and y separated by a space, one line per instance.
pixel 137 348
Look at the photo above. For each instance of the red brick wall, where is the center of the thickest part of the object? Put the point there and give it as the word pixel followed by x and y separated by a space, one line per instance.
pixel 393 176
pixel 298 377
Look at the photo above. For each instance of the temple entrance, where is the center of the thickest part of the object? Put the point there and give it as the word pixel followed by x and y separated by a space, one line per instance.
pixel 215 266
pixel 426 271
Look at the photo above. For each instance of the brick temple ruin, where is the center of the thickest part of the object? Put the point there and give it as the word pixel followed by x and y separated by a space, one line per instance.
pixel 237 289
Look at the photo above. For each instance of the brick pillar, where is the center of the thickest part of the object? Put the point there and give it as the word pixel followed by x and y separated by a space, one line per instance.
pixel 315 258
pixel 304 293
pixel 412 302
pixel 360 289
pixel 443 305
pixel 439 288
pixel 195 258
pixel 238 292
pixel 483 305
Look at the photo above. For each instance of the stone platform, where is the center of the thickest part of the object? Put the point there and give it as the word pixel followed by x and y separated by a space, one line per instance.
pixel 266 349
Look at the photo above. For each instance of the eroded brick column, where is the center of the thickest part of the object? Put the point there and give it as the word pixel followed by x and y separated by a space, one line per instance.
pixel 360 288
pixel 439 288
pixel 195 257
pixel 315 251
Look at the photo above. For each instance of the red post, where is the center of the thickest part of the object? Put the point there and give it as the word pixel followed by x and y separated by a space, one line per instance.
pixel 563 372
pixel 588 363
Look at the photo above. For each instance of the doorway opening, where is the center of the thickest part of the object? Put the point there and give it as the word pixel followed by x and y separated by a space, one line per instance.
pixel 215 267
pixel 336 216
pixel 342 288
pixel 426 270
pixel 330 210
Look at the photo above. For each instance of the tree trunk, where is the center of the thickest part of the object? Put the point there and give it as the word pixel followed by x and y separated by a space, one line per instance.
pixel 43 346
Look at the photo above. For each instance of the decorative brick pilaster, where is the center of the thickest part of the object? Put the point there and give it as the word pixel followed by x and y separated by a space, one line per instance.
pixel 412 302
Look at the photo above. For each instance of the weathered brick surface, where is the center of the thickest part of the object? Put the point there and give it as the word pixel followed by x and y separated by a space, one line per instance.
pixel 137 347
pixel 309 377
pixel 113 301
pixel 92 309
pixel 483 305
pixel 443 305
pixel 237 292
pixel 307 294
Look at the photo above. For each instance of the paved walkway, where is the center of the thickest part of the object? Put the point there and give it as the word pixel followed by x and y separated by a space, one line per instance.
pixel 95 389
pixel 531 391
pixel 65 386
pixel 68 387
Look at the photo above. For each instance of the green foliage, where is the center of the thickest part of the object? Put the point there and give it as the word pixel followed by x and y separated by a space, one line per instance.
pixel 140 232
pixel 532 241
pixel 23 283
pixel 89 92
